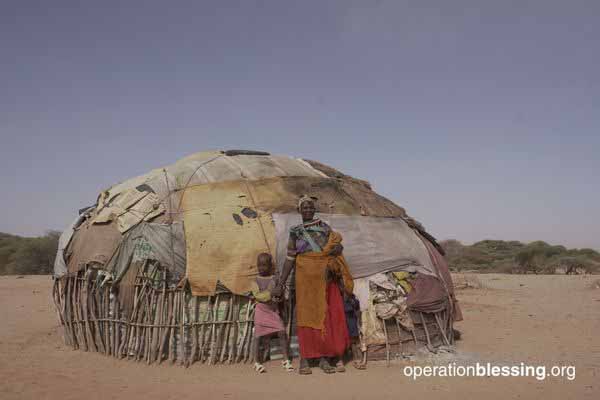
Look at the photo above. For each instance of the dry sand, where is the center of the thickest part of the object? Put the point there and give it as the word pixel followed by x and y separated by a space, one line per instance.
pixel 538 320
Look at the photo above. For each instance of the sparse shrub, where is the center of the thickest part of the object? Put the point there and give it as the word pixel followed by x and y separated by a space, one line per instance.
pixel 23 256
pixel 516 257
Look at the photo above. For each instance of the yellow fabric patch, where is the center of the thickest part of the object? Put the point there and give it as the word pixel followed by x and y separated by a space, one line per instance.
pixel 222 243
pixel 401 277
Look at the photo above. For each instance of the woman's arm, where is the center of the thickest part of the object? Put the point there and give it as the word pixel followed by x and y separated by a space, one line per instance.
pixel 290 262
pixel 287 268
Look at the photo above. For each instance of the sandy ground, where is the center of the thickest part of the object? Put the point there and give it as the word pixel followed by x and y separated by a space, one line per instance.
pixel 537 320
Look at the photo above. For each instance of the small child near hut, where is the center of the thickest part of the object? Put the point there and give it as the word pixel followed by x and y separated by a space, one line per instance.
pixel 352 310
pixel 267 321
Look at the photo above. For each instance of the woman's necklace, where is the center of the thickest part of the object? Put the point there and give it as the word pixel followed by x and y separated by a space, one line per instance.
pixel 311 223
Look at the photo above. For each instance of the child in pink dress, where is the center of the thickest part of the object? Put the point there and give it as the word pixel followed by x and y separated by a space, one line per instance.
pixel 267 321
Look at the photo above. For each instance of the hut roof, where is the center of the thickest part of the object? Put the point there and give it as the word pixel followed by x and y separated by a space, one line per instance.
pixel 224 207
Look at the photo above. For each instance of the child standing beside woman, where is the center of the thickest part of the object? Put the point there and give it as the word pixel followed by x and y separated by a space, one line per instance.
pixel 267 321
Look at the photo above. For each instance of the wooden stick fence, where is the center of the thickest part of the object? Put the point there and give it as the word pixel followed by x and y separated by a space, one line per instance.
pixel 431 330
pixel 166 323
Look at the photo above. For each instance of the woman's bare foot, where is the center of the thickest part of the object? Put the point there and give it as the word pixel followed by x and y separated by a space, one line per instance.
pixel 304 367
pixel 325 366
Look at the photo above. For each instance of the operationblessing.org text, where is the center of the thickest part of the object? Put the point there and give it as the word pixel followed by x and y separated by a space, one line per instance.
pixel 539 372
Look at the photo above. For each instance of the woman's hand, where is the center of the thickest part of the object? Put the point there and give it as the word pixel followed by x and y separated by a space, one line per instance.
pixel 277 291
pixel 336 250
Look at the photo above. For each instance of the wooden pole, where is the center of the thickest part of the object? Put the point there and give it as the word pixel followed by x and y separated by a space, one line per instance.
pixel 117 326
pixel 158 321
pixel 194 332
pixel 429 345
pixel 250 336
pixel 387 342
pixel 165 338
pixel 172 342
pixel 80 317
pixel 182 308
pixel 213 344
pixel 94 312
pixel 57 307
pixel 223 337
pixel 441 328
pixel 246 328
pixel 235 330
pixel 131 329
pixel 207 317
pixel 106 317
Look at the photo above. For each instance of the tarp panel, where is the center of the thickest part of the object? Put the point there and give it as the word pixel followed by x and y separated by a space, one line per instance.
pixel 222 242
pixel 260 167
pixel 282 194
pixel 371 244
pixel 118 206
pixel 296 167
pixel 146 209
pixel 445 277
pixel 428 295
pixel 60 267
pixel 151 241
pixel 212 167
pixel 92 243
pixel 219 170
pixel 191 172
pixel 371 203
pixel 375 244
pixel 129 184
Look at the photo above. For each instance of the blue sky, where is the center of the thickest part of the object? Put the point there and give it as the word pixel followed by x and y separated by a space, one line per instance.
pixel 481 118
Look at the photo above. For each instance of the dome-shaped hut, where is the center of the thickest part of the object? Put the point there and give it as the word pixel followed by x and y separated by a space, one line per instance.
pixel 160 267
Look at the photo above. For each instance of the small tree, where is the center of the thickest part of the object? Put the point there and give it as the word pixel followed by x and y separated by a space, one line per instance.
pixel 531 259
pixel 34 255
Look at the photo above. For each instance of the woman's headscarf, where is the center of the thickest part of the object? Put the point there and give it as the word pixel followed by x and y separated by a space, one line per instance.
pixel 304 198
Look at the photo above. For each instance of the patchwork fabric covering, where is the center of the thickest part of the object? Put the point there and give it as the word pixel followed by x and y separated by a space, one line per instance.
pixel 371 244
pixel 161 265
pixel 207 216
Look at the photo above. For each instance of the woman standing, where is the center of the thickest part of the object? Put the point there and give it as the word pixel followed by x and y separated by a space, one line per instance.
pixel 315 250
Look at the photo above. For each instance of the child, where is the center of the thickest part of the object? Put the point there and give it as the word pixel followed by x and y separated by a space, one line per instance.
pixel 352 309
pixel 266 319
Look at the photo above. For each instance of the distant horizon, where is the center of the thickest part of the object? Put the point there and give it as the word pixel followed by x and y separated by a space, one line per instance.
pixel 438 239
pixel 464 242
pixel 432 232
pixel 480 119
